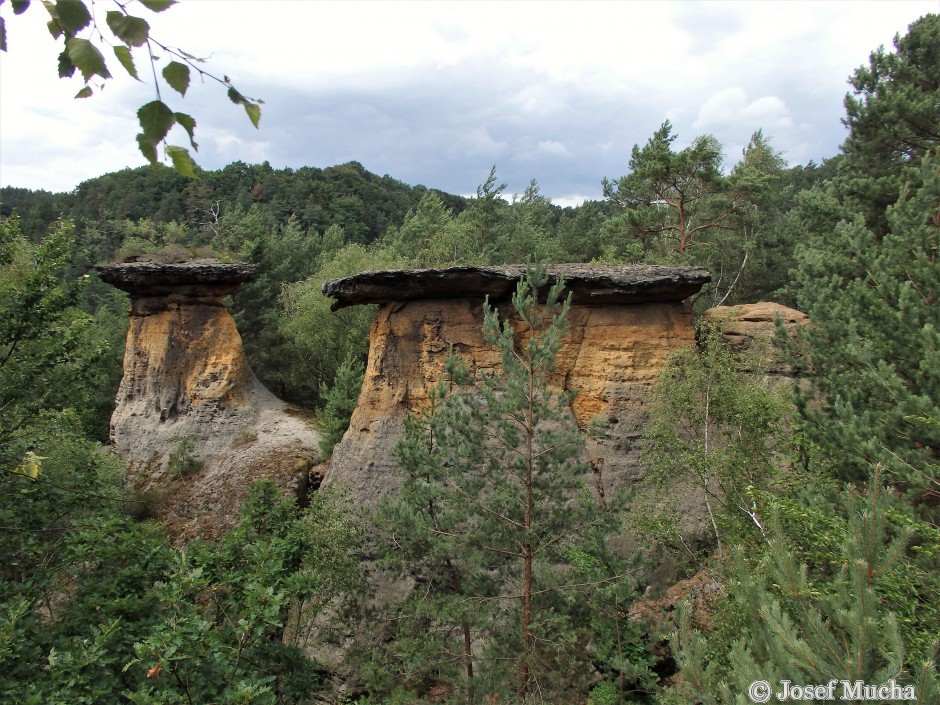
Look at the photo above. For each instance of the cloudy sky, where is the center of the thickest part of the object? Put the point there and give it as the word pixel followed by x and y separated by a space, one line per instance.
pixel 435 93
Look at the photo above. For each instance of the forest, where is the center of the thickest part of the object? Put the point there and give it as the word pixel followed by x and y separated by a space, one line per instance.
pixel 825 558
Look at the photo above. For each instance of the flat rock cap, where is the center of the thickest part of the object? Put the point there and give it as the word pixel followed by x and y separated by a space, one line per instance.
pixel 589 284
pixel 156 279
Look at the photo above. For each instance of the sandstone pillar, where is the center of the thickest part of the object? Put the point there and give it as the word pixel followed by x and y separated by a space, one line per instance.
pixel 624 323
pixel 195 424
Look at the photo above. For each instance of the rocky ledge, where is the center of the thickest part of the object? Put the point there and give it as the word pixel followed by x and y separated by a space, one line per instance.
pixel 588 284
pixel 196 276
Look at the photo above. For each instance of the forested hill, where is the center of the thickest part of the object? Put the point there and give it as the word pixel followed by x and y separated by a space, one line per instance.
pixel 348 195
pixel 303 226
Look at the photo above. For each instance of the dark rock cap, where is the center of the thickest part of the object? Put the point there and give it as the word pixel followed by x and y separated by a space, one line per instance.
pixel 589 284
pixel 157 279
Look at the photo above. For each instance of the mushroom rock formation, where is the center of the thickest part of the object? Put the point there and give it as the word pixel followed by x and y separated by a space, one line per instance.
pixel 195 424
pixel 624 322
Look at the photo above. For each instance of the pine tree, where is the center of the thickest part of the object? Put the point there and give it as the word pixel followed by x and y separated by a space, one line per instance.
pixel 671 198
pixel 340 402
pixel 892 118
pixel 875 346
pixel 494 504
pixel 802 627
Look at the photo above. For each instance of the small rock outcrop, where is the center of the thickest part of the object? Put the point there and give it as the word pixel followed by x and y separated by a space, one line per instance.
pixel 750 330
pixel 624 322
pixel 195 424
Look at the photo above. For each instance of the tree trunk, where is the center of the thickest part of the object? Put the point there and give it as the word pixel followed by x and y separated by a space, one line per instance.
pixel 526 622
pixel 526 546
pixel 468 660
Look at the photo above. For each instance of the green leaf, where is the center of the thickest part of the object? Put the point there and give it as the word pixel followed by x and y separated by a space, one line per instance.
pixel 182 162
pixel 3 35
pixel 31 466
pixel 156 119
pixel 73 15
pixel 85 92
pixel 123 55
pixel 177 75
pixel 254 113
pixel 148 148
pixel 66 67
pixel 253 109
pixel 157 5
pixel 189 124
pixel 236 97
pixel 133 31
pixel 54 28
pixel 19 6
pixel 86 58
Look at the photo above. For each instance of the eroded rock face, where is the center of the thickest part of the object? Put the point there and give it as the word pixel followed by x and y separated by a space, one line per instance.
pixel 625 321
pixel 750 329
pixel 195 424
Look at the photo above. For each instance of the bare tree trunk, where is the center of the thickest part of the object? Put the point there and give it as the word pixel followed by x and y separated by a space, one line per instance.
pixel 527 548
pixel 683 230
pixel 705 478
pixel 526 624
pixel 468 660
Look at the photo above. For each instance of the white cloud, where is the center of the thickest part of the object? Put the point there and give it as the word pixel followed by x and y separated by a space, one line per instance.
pixel 731 107
pixel 572 200
pixel 551 148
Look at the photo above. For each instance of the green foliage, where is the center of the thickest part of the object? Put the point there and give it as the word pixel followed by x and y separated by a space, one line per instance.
pixel 678 206
pixel 847 590
pixel 182 461
pixel 325 338
pixel 340 400
pixel 431 236
pixel 671 197
pixel 74 586
pixel 95 607
pixel 70 18
pixel 621 646
pixel 892 118
pixel 48 351
pixel 489 231
pixel 872 381
pixel 809 627
pixel 236 612
pixel 719 433
pixel 130 616
pixel 866 273
pixel 492 508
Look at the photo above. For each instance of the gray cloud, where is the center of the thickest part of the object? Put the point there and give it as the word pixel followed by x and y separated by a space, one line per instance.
pixel 565 110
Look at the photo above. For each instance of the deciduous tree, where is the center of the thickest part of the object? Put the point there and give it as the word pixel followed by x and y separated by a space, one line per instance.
pixel 81 30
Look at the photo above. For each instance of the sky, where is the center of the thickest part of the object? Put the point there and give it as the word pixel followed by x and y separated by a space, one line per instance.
pixel 436 93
